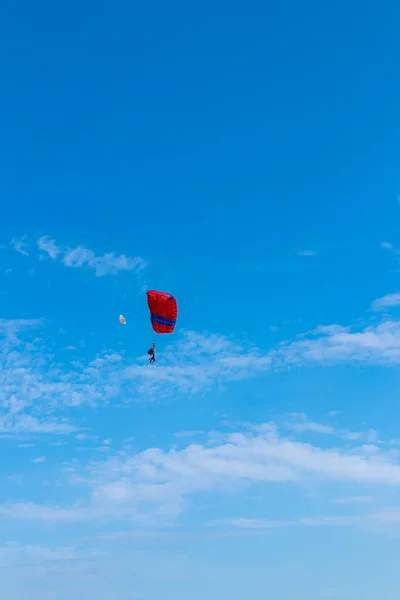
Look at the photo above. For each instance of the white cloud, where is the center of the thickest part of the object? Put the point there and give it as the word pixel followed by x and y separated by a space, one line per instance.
pixel 164 480
pixel 387 301
pixel 20 246
pixel 47 245
pixel 156 485
pixel 10 327
pixel 104 264
pixel 301 424
pixel 25 423
pixel 31 385
pixel 21 562
pixel 313 521
pixel 37 512
pixel 375 344
pixel 377 521
pixel 12 550
pixel 314 427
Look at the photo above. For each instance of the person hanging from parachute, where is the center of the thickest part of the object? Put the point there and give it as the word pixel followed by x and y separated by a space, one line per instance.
pixel 152 353
pixel 163 316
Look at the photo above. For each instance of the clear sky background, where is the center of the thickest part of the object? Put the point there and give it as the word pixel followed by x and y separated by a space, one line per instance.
pixel 243 156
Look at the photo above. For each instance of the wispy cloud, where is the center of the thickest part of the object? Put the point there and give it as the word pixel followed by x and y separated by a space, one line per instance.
pixel 49 247
pixel 39 459
pixel 313 521
pixel 387 301
pixel 106 264
pixel 31 385
pixel 301 424
pixel 30 560
pixel 375 344
pixel 314 427
pixel 38 512
pixel 372 520
pixel 28 424
pixel 20 246
pixel 155 485
pixel 12 549
pixel 102 264
pixel 109 263
pixel 10 327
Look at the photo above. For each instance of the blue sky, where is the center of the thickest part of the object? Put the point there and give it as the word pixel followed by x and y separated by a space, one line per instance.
pixel 243 157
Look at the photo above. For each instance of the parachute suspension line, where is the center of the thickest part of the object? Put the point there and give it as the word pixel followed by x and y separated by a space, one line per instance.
pixel 122 319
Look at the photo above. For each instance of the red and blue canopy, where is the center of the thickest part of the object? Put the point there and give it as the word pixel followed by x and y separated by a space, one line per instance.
pixel 163 311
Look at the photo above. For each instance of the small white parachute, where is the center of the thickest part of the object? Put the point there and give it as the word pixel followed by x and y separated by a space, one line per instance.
pixel 122 320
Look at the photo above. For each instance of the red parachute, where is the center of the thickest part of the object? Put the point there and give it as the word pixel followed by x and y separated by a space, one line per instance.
pixel 163 311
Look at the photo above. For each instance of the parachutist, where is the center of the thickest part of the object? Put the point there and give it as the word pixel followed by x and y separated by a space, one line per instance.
pixel 152 354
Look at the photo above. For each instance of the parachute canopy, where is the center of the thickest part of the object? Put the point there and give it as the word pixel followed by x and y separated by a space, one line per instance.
pixel 163 311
